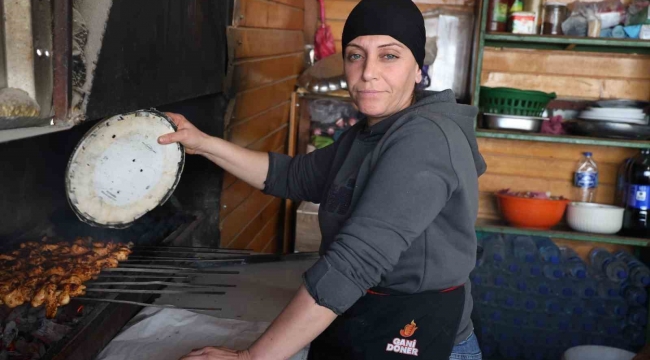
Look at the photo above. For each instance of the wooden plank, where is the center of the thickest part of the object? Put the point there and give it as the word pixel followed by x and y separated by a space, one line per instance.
pixel 339 46
pixel 578 87
pixel 271 246
pixel 256 223
pixel 337 28
pixel 234 196
pixel 566 63
pixel 339 10
pixel 265 42
pixel 268 232
pixel 268 14
pixel 487 206
pixel 543 168
pixel 568 152
pixel 495 182
pixel 255 73
pixel 271 141
pixel 295 3
pixel 240 217
pixel 626 89
pixel 563 86
pixel 253 102
pixel 247 132
pixel 228 180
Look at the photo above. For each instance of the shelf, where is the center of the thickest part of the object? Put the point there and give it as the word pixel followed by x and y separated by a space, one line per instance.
pixel 567 43
pixel 27 132
pixel 566 139
pixel 560 233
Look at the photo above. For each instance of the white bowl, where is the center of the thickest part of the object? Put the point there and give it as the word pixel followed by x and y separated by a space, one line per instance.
pixel 596 352
pixel 594 218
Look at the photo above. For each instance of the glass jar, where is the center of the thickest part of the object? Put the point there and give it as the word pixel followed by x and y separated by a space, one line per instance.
pixel 497 16
pixel 554 16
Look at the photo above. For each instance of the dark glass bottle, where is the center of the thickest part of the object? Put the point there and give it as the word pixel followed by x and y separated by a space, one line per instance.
pixel 635 220
pixel 620 198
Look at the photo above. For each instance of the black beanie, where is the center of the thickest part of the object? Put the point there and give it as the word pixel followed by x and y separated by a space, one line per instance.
pixel 400 19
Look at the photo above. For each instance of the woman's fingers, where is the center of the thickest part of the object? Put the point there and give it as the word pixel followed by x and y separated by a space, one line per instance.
pixel 178 119
pixel 211 353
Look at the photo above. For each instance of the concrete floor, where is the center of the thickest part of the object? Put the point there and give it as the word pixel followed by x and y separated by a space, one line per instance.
pixel 262 291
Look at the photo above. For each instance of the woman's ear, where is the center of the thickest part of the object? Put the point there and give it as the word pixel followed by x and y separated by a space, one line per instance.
pixel 418 75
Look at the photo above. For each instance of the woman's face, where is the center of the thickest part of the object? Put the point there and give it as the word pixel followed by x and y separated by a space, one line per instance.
pixel 381 73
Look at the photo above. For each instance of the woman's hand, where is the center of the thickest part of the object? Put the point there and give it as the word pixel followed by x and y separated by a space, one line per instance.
pixel 217 353
pixel 187 134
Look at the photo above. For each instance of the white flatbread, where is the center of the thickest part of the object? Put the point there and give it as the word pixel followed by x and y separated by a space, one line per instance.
pixel 118 171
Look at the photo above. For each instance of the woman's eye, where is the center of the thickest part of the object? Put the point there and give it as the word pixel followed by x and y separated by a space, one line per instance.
pixel 353 57
pixel 390 57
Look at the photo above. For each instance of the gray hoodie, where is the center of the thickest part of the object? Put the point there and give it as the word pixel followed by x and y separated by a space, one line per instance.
pixel 398 203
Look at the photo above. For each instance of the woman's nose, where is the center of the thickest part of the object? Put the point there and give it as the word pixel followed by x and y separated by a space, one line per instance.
pixel 370 70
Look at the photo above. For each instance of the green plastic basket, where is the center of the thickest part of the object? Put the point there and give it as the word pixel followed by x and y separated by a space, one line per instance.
pixel 509 101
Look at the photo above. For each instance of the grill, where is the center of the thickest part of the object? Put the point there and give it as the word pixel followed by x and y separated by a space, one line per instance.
pixel 84 326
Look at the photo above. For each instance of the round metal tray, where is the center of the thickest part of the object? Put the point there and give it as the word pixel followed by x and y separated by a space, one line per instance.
pixel 118 172
pixel 608 129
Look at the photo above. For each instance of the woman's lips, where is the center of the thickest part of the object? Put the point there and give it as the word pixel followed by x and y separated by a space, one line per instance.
pixel 369 93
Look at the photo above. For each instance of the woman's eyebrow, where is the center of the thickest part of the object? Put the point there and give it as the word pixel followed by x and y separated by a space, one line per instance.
pixel 391 44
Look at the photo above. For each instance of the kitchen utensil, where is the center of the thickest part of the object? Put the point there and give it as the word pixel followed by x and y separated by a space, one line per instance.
pixel 594 218
pixel 512 122
pixel 118 172
pixel 622 115
pixel 511 101
pixel 622 104
pixel 606 129
pixel 531 213
pixel 599 352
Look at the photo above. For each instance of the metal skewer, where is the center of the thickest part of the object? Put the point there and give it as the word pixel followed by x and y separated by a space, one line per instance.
pixel 163 277
pixel 165 283
pixel 203 291
pixel 192 249
pixel 197 260
pixel 177 271
pixel 158 267
pixel 145 304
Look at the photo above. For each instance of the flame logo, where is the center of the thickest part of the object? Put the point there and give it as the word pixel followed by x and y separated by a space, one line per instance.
pixel 409 329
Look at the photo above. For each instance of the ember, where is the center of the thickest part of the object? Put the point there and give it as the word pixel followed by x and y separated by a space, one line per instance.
pixel 80 310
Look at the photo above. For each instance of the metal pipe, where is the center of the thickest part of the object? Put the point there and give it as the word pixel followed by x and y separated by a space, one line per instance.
pixel 146 304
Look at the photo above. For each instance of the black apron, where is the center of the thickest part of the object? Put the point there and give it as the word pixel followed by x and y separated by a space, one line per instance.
pixel 386 325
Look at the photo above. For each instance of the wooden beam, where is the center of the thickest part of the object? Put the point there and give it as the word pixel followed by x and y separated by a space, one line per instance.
pixel 245 133
pixel 253 102
pixel 254 73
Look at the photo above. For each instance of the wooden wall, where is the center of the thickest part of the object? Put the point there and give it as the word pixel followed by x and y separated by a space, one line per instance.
pixel 268 42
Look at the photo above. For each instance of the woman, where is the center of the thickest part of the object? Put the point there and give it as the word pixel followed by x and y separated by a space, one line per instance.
pixel 398 194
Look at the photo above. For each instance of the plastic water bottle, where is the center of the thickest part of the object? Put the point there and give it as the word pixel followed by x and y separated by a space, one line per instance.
pixel 531 269
pixel 638 316
pixel 562 323
pixel 552 306
pixel 488 346
pixel 605 264
pixel 616 308
pixel 639 273
pixel 508 300
pixel 634 295
pixel 585 179
pixel 486 296
pixel 573 264
pixel 499 280
pixel 530 304
pixel 634 336
pixel 574 307
pixel 540 288
pixel 548 251
pixel 610 327
pixel 553 271
pixel 567 288
pixel 494 250
pixel 586 289
pixel 608 290
pixel 524 249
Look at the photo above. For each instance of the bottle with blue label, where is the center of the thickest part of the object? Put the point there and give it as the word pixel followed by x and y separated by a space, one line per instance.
pixel 635 218
pixel 634 295
pixel 585 179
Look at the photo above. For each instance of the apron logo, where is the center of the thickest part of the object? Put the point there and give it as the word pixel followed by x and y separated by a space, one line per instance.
pixel 403 346
pixel 409 329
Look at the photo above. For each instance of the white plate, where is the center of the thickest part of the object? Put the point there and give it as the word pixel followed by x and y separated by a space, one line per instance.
pixel 118 172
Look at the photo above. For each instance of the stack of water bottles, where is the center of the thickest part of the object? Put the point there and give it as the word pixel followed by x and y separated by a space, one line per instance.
pixel 535 299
